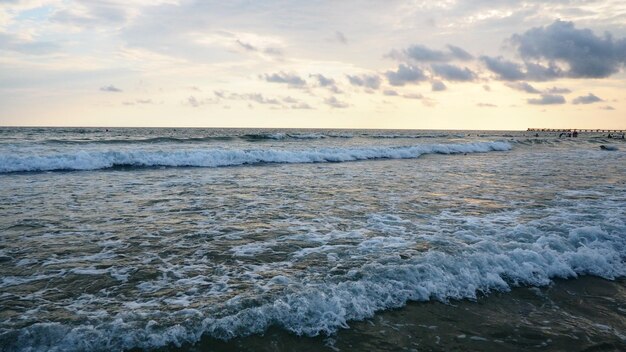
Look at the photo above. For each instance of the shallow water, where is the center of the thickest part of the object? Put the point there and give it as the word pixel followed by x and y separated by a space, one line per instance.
pixel 586 314
pixel 148 238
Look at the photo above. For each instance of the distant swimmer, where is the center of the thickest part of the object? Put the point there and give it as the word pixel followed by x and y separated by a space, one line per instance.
pixel 609 136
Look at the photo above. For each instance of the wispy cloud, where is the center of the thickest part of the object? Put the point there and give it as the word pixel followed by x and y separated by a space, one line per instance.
pixel 587 99
pixel 291 79
pixel 334 103
pixel 421 53
pixel 547 99
pixel 405 74
pixel 438 86
pixel 138 102
pixel 110 89
pixel 453 73
pixel 341 38
pixel 524 87
pixel 326 82
pixel 367 81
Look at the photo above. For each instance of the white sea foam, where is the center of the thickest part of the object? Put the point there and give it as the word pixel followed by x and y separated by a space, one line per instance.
pixel 325 306
pixel 93 160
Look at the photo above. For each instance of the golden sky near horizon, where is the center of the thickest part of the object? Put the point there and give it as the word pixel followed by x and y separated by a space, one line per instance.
pixel 499 64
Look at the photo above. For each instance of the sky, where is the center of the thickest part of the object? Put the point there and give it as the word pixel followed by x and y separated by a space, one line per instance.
pixel 481 64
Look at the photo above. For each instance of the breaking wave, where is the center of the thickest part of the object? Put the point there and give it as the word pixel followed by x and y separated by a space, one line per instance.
pixel 140 140
pixel 106 159
pixel 531 257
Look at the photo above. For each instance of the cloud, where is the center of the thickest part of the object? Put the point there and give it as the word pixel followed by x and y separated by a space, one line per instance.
pixel 583 54
pixel 324 81
pixel 459 53
pixel 259 98
pixel 557 90
pixel 192 101
pixel 287 102
pixel 560 50
pixel 486 105
pixel 296 104
pixel 413 96
pixel 301 106
pixel 390 93
pixel 333 102
pixel 327 83
pixel 195 102
pixel 524 87
pixel 138 102
pixel 547 99
pixel 256 98
pixel 110 88
pixel 422 53
pixel 453 73
pixel 513 71
pixel 290 100
pixel 291 79
pixel 607 107
pixel 341 38
pixel 506 70
pixel 367 81
pixel 246 46
pixel 586 99
pixel 405 74
pixel 273 51
pixel 540 72
pixel 251 48
pixel 438 86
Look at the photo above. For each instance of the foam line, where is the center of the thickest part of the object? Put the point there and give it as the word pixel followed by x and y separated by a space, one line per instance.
pixel 109 158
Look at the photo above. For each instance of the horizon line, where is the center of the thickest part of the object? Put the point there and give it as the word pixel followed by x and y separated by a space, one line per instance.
pixel 274 128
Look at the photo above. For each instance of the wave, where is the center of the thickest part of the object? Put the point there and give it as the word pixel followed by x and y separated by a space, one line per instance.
pixel 401 135
pixel 264 136
pixel 96 160
pixel 530 256
pixel 283 136
pixel 534 141
pixel 140 140
pixel 252 137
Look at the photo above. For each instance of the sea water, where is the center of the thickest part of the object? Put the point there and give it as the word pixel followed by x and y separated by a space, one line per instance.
pixel 116 239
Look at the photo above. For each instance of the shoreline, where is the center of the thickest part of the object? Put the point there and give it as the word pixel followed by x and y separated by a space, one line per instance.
pixel 587 313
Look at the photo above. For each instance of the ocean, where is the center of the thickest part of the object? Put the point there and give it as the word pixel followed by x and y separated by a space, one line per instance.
pixel 310 240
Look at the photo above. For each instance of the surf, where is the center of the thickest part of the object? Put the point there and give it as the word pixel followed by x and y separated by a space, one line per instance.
pixel 212 157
